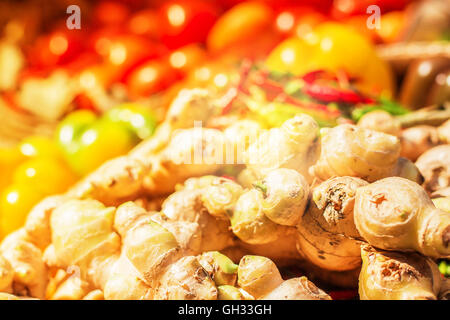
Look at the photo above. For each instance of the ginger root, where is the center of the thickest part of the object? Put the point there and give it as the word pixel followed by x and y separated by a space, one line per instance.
pixel 190 152
pixel 297 289
pixel 185 210
pixel 29 269
pixel 227 292
pixel 149 163
pixel 128 254
pixel 348 150
pixel 397 276
pixel 6 275
pixel 435 168
pixel 265 212
pixel 258 216
pixel 327 235
pixel 397 214
pixel 285 195
pixel 382 121
pixel 282 251
pixel 295 145
pixel 250 224
pixel 405 168
pixel 221 268
pixel 444 132
pixel 441 193
pixel 37 224
pixel 417 140
pixel 260 277
pixel 444 294
pixel 442 203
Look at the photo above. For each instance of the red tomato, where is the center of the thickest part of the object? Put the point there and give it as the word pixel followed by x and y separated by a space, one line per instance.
pixel 276 4
pixel 241 26
pixel 345 8
pixel 145 23
pixel 322 5
pixel 359 24
pixel 184 22
pixel 297 20
pixel 123 52
pixel 111 13
pixel 391 28
pixel 56 48
pixel 96 75
pixel 150 77
pixel 186 58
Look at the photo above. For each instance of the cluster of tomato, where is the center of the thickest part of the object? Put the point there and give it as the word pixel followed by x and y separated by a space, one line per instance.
pixel 149 50
pixel 30 171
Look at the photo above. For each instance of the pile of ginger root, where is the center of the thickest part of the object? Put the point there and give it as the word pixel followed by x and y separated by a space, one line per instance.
pixel 216 212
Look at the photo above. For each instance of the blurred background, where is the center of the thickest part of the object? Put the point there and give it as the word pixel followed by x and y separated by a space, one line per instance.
pixel 72 98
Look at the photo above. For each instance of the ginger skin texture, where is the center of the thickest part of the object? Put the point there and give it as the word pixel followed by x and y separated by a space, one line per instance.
pixel 349 150
pixel 327 235
pixel 397 214
pixel 389 275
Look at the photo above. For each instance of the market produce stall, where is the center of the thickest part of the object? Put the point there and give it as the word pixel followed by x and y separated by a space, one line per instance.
pixel 227 150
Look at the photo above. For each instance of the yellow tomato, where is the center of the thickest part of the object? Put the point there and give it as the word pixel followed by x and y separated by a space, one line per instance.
pixel 39 146
pixel 10 158
pixel 15 203
pixel 340 47
pixel 292 55
pixel 46 175
pixel 240 25
pixel 392 25
pixel 334 47
pixel 102 141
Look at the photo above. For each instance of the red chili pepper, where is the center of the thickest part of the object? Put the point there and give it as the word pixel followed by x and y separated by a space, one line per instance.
pixel 233 93
pixel 270 87
pixel 230 96
pixel 276 91
pixel 229 177
pixel 312 76
pixel 246 66
pixel 329 94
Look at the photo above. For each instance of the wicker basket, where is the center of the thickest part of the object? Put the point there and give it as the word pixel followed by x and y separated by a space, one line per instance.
pixel 17 125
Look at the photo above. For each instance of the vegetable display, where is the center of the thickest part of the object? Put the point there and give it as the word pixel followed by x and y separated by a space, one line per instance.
pixel 229 150
pixel 124 251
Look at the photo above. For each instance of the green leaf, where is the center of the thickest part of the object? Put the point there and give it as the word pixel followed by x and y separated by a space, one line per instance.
pixel 392 107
